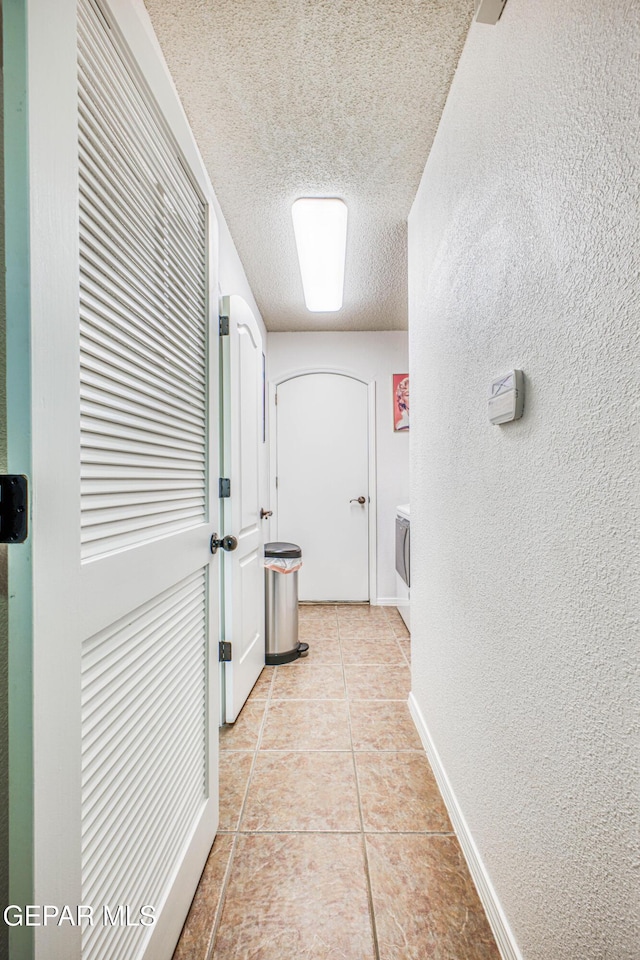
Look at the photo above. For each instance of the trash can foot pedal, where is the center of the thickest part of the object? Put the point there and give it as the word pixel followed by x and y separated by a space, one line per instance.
pixel 303 649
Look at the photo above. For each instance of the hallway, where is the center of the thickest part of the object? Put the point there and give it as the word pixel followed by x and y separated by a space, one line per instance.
pixel 333 839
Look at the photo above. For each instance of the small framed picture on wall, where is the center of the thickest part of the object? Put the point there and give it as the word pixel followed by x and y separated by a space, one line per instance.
pixel 400 401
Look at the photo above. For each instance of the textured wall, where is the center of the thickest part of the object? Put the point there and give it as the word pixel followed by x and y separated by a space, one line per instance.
pixel 371 356
pixel 523 252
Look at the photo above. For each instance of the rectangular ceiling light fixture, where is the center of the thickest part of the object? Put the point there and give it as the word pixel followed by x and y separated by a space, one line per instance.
pixel 320 227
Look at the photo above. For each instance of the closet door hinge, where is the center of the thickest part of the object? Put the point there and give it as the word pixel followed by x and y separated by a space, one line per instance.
pixel 224 326
pixel 224 651
pixel 224 487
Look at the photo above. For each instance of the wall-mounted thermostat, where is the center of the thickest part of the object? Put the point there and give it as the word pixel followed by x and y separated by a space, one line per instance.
pixel 506 397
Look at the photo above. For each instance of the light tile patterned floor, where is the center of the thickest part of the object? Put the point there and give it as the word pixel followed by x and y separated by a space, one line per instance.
pixel 334 842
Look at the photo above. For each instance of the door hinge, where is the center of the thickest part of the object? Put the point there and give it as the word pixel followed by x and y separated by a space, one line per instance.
pixel 276 483
pixel 224 651
pixel 276 398
pixel 13 508
pixel 224 487
pixel 224 326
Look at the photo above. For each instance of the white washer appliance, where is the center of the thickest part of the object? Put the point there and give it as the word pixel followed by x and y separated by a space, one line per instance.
pixel 403 560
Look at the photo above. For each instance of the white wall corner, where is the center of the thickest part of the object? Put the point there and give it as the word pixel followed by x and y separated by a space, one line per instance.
pixel 498 922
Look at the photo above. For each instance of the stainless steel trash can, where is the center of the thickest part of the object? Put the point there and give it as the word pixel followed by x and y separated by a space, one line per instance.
pixel 281 603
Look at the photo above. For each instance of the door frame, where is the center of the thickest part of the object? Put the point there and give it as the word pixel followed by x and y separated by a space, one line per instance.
pixel 372 456
pixel 230 391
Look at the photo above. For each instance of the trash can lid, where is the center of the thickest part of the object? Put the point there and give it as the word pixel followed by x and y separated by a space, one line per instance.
pixel 281 549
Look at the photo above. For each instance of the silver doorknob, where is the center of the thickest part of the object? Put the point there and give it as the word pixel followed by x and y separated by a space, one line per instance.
pixel 264 514
pixel 358 500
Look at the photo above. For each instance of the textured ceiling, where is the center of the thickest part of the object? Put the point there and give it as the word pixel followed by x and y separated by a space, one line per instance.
pixel 291 98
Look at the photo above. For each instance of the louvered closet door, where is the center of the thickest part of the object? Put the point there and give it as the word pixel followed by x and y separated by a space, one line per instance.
pixel 148 805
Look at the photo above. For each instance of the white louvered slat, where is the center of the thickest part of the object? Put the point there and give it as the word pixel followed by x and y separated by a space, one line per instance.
pixel 112 372
pixel 103 247
pixel 120 411
pixel 143 754
pixel 146 207
pixel 142 309
pixel 96 58
pixel 97 45
pixel 102 201
pixel 102 303
pixel 103 424
pixel 132 804
pixel 147 745
pixel 146 210
pixel 99 205
pixel 122 397
pixel 102 268
pixel 134 810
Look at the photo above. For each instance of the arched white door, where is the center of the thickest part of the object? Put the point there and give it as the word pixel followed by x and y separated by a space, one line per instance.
pixel 323 482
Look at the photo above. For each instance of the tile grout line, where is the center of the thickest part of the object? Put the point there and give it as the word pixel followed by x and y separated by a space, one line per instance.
pixel 404 656
pixel 398 639
pixel 367 872
pixel 364 842
pixel 390 621
pixel 223 893
pixel 263 724
pixel 236 833
pixel 372 915
pixel 271 750
pixel 338 831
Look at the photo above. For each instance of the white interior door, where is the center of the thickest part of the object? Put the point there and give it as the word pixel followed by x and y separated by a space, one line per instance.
pixel 322 470
pixel 243 622
pixel 122 413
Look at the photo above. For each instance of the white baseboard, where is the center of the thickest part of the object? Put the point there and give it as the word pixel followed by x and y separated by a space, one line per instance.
pixel 495 914
pixel 384 602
